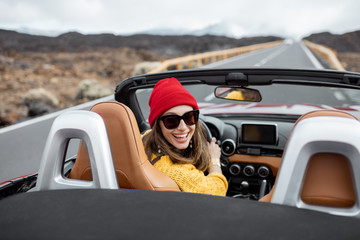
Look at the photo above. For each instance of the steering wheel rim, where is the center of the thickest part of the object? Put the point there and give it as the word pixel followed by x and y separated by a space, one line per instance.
pixel 207 130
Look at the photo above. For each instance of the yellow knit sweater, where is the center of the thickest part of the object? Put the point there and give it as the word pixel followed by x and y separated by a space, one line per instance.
pixel 190 179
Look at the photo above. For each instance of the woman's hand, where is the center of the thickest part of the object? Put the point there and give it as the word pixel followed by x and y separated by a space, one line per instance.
pixel 214 149
pixel 215 154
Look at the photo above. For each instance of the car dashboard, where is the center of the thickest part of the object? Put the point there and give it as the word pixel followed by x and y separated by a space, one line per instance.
pixel 252 150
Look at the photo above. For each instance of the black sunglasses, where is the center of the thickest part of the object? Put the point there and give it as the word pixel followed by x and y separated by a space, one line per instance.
pixel 172 121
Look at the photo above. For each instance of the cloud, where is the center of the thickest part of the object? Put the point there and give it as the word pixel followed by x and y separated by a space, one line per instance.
pixel 294 18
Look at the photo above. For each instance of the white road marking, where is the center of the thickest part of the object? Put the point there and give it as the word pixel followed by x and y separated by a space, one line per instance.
pixel 272 56
pixel 311 56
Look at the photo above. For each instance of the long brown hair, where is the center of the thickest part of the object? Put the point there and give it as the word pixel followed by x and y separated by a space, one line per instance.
pixel 198 154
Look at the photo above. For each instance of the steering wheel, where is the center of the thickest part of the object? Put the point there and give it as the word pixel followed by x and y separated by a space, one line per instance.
pixel 207 130
pixel 223 158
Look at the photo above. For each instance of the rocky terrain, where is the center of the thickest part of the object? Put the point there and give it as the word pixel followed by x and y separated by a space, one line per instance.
pixel 27 78
pixel 41 74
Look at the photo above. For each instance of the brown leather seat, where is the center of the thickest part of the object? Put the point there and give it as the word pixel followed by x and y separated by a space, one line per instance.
pixel 328 179
pixel 132 168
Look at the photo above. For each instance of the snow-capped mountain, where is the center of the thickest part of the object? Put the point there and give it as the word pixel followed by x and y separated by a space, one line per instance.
pixel 220 29
pixel 226 29
pixel 33 31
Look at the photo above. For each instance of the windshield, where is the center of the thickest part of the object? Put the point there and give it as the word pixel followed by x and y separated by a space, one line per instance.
pixel 288 99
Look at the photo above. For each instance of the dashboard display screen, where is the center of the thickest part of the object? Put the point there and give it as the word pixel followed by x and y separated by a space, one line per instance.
pixel 259 134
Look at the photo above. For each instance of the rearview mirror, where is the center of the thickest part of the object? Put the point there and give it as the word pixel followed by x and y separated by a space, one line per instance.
pixel 238 93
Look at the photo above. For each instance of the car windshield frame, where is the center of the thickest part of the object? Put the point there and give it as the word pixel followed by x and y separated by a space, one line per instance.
pixel 126 90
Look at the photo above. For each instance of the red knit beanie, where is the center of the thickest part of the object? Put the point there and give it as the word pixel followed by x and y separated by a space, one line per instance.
pixel 166 94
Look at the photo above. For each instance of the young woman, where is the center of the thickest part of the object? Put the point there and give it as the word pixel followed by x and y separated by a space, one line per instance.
pixel 176 143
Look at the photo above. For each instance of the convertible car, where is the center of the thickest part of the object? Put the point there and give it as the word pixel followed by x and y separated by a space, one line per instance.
pixel 290 152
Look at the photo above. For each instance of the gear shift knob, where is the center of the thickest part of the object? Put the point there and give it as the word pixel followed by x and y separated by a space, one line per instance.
pixel 244 187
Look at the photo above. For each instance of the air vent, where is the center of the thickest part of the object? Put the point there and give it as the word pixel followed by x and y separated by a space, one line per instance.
pixel 228 147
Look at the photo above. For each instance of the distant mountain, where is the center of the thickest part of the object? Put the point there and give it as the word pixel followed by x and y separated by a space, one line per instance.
pixel 33 31
pixel 348 42
pixel 164 44
pixel 221 29
pixel 224 29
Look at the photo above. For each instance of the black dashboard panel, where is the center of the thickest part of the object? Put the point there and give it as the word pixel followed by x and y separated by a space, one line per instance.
pixel 265 134
pixel 246 137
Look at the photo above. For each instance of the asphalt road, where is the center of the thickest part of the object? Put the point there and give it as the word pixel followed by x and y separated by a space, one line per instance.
pixel 22 144
pixel 288 55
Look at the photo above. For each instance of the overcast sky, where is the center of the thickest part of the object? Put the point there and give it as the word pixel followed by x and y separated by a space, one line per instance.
pixel 286 18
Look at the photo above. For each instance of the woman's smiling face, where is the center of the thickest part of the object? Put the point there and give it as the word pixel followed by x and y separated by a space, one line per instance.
pixel 180 136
